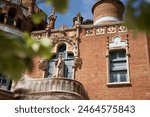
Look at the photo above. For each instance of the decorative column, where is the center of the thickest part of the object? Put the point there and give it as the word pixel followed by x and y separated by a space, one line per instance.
pixel 77 61
pixel 127 56
pixel 107 58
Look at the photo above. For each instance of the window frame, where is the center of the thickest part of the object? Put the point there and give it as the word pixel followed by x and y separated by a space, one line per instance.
pixel 7 85
pixel 117 44
pixel 121 70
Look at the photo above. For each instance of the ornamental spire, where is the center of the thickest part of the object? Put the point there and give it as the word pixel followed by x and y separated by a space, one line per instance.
pixel 52 18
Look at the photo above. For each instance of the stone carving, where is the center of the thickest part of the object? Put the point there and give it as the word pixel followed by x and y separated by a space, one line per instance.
pixel 59 67
pixel 111 29
pixel 122 29
pixel 116 42
pixel 106 30
pixel 52 19
pixel 71 34
pixel 88 32
pixel 43 64
pixel 77 63
pixel 100 31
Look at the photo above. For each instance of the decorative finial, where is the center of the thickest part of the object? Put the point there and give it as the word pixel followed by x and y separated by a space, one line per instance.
pixel 53 12
pixel 52 18
pixel 78 16
pixel 78 19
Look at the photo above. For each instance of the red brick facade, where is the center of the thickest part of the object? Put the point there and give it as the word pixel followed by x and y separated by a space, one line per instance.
pixel 93 52
pixel 89 47
pixel 93 74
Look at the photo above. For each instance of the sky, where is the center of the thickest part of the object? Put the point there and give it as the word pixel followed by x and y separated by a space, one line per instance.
pixel 75 6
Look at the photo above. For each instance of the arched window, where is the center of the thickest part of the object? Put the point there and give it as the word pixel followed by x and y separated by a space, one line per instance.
pixel 118 62
pixel 118 66
pixel 68 58
pixel 11 16
pixel 62 50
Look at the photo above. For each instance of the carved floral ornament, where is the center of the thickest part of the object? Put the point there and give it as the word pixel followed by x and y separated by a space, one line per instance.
pixel 116 42
pixel 106 30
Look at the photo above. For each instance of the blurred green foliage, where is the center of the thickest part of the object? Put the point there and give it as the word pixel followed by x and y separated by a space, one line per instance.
pixel 137 15
pixel 17 53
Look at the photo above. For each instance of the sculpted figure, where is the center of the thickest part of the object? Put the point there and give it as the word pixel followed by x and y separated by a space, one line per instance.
pixel 59 67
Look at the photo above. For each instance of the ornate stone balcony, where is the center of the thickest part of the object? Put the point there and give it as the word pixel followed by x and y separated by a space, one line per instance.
pixel 50 88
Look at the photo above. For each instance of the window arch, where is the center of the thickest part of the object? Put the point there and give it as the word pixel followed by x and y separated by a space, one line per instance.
pixel 61 49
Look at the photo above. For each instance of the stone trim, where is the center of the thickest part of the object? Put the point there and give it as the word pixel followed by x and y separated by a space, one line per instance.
pixel 106 18
pixel 101 30
pixel 124 46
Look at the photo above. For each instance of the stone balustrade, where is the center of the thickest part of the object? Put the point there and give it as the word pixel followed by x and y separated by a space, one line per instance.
pixel 52 85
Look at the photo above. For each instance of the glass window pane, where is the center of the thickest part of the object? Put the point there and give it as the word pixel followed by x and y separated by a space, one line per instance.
pixel 4 82
pixel 68 68
pixel 51 68
pixel 123 76
pixel 122 54
pixel 113 56
pixel 62 48
pixel 118 66
pixel 113 77
pixel 70 55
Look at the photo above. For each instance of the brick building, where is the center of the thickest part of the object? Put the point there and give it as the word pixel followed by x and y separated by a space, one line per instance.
pixel 95 60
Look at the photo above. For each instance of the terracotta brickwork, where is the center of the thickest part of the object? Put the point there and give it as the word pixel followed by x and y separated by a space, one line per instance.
pixel 93 74
pixel 108 8
pixel 36 71
pixel 86 56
